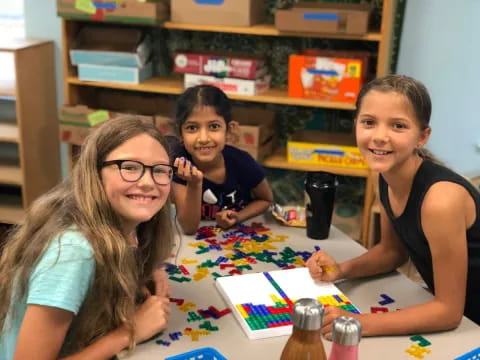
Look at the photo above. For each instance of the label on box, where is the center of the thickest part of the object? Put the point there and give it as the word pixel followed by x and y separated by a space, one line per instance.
pixel 220 65
pixel 230 85
pixel 324 78
pixel 86 6
pixel 97 117
pixel 324 154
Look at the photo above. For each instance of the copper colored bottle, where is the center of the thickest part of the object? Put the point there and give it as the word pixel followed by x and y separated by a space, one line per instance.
pixel 305 343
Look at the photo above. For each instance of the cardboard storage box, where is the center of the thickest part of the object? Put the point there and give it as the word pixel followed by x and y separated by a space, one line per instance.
pixel 126 11
pixel 256 131
pixel 218 12
pixel 111 46
pixel 230 85
pixel 325 78
pixel 120 74
pixel 219 64
pixel 166 125
pixel 351 19
pixel 77 121
pixel 331 149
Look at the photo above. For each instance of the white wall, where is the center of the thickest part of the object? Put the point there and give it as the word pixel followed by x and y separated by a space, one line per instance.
pixel 440 46
pixel 41 22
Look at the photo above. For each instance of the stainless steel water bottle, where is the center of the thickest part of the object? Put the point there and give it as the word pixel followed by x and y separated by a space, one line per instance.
pixel 305 343
pixel 346 335
pixel 320 188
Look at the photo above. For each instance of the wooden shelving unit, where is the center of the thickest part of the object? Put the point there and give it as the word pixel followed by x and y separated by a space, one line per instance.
pixel 33 133
pixel 173 85
pixel 8 133
pixel 279 160
pixel 268 30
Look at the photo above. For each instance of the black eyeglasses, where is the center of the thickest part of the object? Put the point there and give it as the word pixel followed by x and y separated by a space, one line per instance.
pixel 131 171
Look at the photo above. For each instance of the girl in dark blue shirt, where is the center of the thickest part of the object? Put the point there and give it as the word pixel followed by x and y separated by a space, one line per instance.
pixel 214 180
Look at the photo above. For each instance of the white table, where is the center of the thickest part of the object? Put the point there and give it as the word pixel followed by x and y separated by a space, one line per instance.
pixel 233 343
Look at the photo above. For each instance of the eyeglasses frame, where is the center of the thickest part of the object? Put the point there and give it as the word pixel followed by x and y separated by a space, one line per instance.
pixel 119 163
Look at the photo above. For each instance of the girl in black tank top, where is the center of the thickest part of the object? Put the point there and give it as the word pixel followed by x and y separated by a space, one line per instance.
pixel 428 212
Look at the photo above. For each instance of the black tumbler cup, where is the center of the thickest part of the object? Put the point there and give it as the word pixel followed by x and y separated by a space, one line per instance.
pixel 320 190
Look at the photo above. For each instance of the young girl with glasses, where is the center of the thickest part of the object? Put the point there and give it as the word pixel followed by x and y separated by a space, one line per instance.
pixel 214 180
pixel 428 212
pixel 80 275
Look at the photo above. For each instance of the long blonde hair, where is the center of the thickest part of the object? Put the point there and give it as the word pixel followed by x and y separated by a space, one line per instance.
pixel 81 203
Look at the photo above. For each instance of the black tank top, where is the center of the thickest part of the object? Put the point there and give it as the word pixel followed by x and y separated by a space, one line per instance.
pixel 408 226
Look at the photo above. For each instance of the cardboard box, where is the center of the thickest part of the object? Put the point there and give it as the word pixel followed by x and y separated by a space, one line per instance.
pixel 75 135
pixel 256 131
pixel 351 19
pixel 77 121
pixel 119 74
pixel 331 149
pixel 166 125
pixel 218 64
pixel 325 78
pixel 123 11
pixel 115 46
pixel 218 12
pixel 230 85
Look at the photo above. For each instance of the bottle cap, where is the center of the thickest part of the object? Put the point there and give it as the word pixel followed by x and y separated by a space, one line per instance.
pixel 346 331
pixel 321 179
pixel 307 314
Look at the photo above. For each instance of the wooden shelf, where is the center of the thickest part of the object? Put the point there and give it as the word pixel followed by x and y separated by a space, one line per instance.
pixel 11 213
pixel 34 167
pixel 10 174
pixel 12 45
pixel 11 206
pixel 7 89
pixel 279 160
pixel 9 133
pixel 173 85
pixel 268 30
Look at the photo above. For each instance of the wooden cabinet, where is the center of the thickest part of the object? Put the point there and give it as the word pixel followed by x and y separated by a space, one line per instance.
pixel 171 85
pixel 29 145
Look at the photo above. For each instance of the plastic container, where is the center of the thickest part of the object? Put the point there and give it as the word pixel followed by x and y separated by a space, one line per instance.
pixel 206 353
pixel 320 188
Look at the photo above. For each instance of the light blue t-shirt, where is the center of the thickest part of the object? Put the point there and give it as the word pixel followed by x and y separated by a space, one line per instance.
pixel 61 279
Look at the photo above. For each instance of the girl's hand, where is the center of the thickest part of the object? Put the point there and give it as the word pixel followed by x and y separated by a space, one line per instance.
pixel 187 171
pixel 323 267
pixel 162 286
pixel 151 317
pixel 330 314
pixel 226 218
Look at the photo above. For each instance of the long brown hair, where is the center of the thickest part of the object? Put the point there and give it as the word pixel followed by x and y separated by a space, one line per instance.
pixel 81 203
pixel 415 93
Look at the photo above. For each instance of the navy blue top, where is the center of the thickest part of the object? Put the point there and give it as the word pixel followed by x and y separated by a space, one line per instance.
pixel 243 174
pixel 408 226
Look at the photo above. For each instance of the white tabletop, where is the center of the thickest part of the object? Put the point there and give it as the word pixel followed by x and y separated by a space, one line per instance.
pixel 231 341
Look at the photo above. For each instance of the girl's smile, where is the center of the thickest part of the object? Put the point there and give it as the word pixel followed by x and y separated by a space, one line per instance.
pixel 204 135
pixel 136 202
pixel 387 130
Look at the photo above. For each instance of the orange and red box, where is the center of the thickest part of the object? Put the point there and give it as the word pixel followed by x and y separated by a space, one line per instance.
pixel 325 78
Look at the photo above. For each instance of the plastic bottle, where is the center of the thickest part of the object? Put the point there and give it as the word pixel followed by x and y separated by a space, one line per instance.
pixel 320 188
pixel 305 343
pixel 346 335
